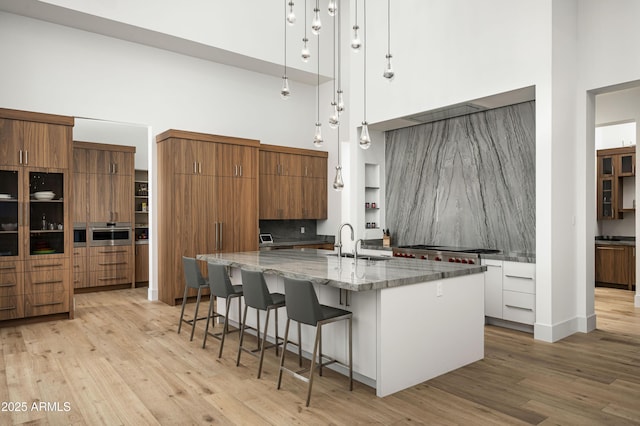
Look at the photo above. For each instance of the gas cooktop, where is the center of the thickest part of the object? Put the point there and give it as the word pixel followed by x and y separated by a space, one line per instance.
pixel 452 249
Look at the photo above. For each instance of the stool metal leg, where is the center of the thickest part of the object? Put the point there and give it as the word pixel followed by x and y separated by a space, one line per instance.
pixel 313 362
pixel 195 316
pixel 225 329
pixel 184 303
pixel 211 313
pixel 284 351
pixel 299 345
pixel 350 354
pixel 319 331
pixel 244 322
pixel 264 343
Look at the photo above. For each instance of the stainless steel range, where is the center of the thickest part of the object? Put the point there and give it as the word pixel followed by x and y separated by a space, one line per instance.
pixel 466 255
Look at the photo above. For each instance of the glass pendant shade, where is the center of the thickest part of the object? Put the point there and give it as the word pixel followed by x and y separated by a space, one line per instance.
pixel 317 137
pixel 285 92
pixel 332 7
pixel 306 54
pixel 355 42
pixel 291 17
pixel 388 70
pixel 338 183
pixel 340 104
pixel 334 119
pixel 365 140
pixel 316 24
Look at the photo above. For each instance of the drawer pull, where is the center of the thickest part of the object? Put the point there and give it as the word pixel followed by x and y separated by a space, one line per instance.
pixel 47 265
pixel 76 266
pixel 112 263
pixel 8 308
pixel 40 305
pixel 47 282
pixel 8 267
pixel 113 251
pixel 112 278
pixel 518 276
pixel 8 285
pixel 519 307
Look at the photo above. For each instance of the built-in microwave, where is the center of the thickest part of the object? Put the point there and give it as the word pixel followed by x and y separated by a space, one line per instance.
pixel 79 234
pixel 110 234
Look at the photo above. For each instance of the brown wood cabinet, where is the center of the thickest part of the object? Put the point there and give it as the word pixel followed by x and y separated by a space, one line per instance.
pixel 613 165
pixel 208 201
pixel 293 183
pixel 142 263
pixel 110 265
pixel 35 236
pixel 615 264
pixel 103 192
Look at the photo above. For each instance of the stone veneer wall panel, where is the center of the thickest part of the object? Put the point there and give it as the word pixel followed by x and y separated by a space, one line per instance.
pixel 467 181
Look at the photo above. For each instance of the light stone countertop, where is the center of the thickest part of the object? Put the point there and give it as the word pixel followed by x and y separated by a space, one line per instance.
pixel 511 257
pixel 318 266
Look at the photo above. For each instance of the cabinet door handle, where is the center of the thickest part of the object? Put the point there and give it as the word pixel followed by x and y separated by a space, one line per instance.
pixel 112 278
pixel 240 170
pixel 199 168
pixel 26 157
pixel 47 265
pixel 8 267
pixel 47 282
pixel 20 156
pixel 113 251
pixel 8 285
pixel 40 305
pixel 221 235
pixel 519 307
pixel 518 276
pixel 609 248
pixel 235 170
pixel 8 308
pixel 112 263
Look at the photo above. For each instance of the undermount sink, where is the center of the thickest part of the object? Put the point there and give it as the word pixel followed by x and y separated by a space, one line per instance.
pixel 363 256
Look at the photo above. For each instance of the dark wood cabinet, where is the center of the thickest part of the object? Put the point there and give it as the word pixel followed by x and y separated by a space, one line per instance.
pixel 613 166
pixel 615 264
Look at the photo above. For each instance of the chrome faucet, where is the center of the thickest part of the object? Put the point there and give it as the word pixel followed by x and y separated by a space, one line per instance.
pixel 339 245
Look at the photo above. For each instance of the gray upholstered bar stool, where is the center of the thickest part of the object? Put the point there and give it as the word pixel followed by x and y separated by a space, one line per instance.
pixel 193 279
pixel 257 296
pixel 303 307
pixel 220 286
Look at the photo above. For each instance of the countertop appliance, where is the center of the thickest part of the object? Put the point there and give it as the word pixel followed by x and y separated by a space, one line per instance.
pixel 466 255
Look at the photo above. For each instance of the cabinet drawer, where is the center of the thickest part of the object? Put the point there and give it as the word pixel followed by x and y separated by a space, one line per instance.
pixel 46 303
pixel 110 262
pixel 47 264
pixel 11 307
pixel 10 267
pixel 45 281
pixel 519 277
pixel 110 250
pixel 519 307
pixel 11 281
pixel 80 280
pixel 110 276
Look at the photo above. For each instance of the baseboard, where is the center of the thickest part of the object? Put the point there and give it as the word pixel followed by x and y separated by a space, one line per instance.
pixel 556 332
pixel 637 300
pixel 152 294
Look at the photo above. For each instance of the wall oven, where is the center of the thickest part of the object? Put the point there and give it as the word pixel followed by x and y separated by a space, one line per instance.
pixel 79 234
pixel 110 234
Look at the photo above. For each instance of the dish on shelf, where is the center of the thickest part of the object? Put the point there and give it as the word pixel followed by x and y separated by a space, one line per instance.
pixel 9 226
pixel 5 196
pixel 44 251
pixel 44 195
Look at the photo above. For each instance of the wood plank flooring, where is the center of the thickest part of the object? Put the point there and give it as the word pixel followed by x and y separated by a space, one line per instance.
pixel 120 361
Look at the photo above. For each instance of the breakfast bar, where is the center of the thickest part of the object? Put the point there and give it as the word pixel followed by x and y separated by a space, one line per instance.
pixel 412 320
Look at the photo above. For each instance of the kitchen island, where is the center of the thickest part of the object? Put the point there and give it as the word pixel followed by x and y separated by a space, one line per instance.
pixel 412 320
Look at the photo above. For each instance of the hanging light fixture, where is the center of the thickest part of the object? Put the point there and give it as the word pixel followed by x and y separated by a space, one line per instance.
pixel 317 137
pixel 334 119
pixel 388 70
pixel 306 54
pixel 355 41
pixel 316 25
pixel 365 140
pixel 338 183
pixel 291 17
pixel 285 92
pixel 332 7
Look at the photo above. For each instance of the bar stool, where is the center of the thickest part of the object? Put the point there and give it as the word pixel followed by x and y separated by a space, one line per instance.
pixel 303 307
pixel 193 279
pixel 257 296
pixel 220 286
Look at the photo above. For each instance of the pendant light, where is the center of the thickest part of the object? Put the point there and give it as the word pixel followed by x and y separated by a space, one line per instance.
pixel 317 137
pixel 285 92
pixel 355 42
pixel 306 54
pixel 338 183
pixel 388 70
pixel 365 140
pixel 332 7
pixel 316 25
pixel 334 119
pixel 291 17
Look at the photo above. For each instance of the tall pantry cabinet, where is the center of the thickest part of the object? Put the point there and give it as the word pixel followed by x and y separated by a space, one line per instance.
pixel 207 201
pixel 35 216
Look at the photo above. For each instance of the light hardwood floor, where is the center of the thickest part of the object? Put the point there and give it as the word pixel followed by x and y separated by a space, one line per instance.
pixel 120 361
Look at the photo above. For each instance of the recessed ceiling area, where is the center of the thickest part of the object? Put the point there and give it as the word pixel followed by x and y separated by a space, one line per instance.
pixel 511 97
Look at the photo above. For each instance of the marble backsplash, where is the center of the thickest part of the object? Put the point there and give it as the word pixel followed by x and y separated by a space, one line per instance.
pixel 467 181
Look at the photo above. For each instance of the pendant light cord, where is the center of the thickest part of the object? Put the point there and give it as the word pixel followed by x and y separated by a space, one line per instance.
pixel 285 38
pixel 364 24
pixel 388 27
pixel 318 84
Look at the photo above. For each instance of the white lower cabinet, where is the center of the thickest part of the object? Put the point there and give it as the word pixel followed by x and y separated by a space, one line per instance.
pixel 510 291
